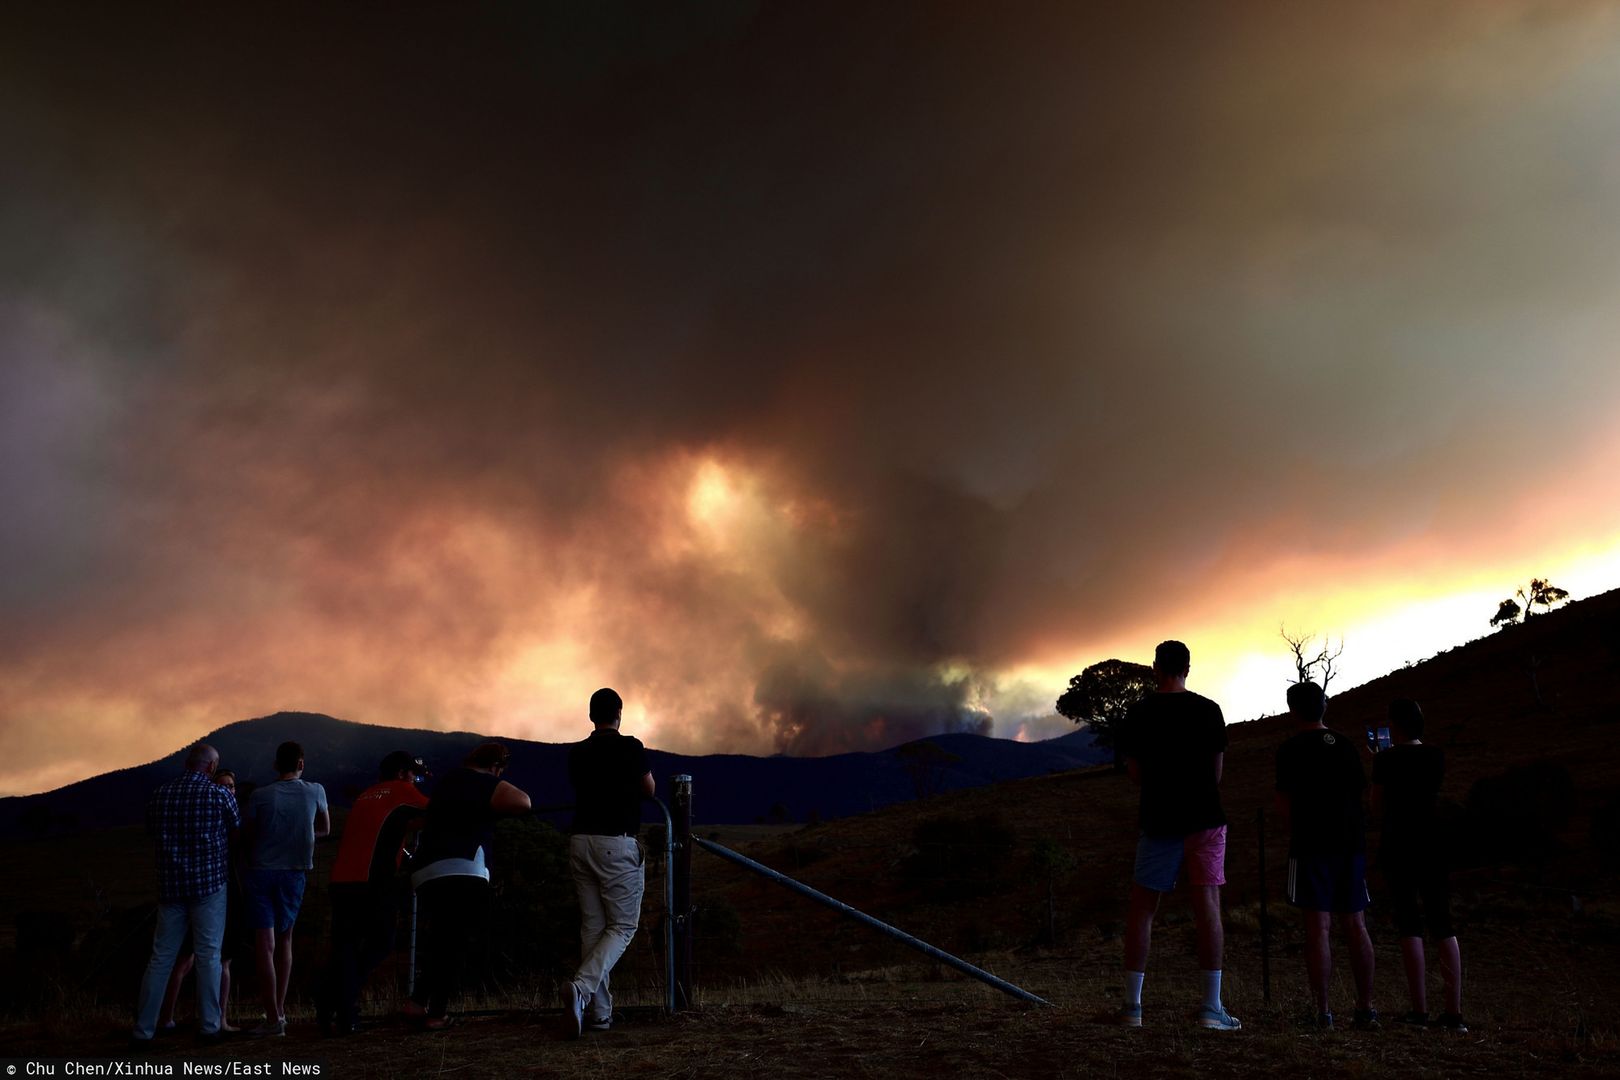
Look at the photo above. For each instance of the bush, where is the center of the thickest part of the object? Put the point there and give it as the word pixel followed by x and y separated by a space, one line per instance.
pixel 1516 816
pixel 716 928
pixel 1606 832
pixel 535 921
pixel 956 857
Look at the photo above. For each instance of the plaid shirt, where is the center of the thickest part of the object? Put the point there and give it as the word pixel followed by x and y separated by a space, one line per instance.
pixel 191 818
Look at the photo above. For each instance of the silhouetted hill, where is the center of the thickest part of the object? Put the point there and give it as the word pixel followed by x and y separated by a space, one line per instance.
pixel 1528 717
pixel 731 788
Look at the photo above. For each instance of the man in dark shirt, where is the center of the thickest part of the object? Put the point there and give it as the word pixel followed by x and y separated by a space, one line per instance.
pixel 1174 743
pixel 610 777
pixel 1319 786
pixel 364 885
pixel 1406 785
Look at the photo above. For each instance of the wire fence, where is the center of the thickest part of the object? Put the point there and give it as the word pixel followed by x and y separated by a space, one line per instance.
pixel 970 884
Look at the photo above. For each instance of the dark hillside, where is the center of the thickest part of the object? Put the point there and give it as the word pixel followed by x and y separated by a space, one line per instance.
pixel 343 756
pixel 1481 706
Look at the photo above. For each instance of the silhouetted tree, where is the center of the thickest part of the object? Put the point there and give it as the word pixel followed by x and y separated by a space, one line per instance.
pixel 1103 693
pixel 1309 668
pixel 1539 591
pixel 925 762
pixel 1051 860
pixel 1543 592
pixel 1507 613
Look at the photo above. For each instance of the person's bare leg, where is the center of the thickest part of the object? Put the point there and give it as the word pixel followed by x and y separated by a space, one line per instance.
pixel 265 940
pixel 1318 958
pixel 1139 912
pixel 1361 957
pixel 1211 934
pixel 283 971
pixel 171 993
pixel 1417 989
pixel 1144 904
pixel 225 997
pixel 1450 957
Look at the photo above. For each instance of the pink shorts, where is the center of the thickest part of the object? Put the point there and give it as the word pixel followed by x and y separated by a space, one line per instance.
pixel 1159 861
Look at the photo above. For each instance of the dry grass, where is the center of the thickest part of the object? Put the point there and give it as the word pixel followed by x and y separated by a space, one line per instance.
pixel 1542 999
pixel 798 992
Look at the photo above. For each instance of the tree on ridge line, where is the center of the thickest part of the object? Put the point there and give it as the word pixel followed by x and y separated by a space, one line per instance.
pixel 1539 591
pixel 1103 693
pixel 1318 668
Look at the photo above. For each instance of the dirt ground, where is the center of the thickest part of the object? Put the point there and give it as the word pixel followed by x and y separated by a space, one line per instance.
pixel 1542 1001
pixel 969 1038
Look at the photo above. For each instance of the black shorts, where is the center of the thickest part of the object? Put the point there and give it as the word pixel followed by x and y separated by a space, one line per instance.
pixel 1420 893
pixel 1336 883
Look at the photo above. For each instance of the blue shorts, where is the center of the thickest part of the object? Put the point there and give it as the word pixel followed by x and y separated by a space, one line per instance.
pixel 273 898
pixel 1336 883
pixel 1160 860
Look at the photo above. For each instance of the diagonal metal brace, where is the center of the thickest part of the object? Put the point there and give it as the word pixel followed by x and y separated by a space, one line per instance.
pixel 862 917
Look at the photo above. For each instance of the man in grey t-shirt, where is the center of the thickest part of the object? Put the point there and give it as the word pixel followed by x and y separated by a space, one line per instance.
pixel 282 821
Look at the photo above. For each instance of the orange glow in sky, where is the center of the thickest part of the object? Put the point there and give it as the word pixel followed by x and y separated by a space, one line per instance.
pixel 820 380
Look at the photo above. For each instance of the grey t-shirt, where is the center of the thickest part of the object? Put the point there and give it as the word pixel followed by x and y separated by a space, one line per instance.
pixel 282 819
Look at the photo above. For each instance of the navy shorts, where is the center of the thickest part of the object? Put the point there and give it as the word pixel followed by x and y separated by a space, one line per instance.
pixel 273 898
pixel 1336 883
pixel 1420 893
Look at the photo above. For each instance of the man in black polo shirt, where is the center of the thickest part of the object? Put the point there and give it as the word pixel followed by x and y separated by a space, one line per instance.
pixel 1319 784
pixel 610 777
pixel 1175 744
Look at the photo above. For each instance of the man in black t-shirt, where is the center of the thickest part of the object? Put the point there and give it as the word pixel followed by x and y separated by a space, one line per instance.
pixel 1319 786
pixel 1174 742
pixel 610 777
pixel 1406 785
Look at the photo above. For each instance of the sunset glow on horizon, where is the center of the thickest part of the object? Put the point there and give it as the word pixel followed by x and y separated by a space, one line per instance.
pixel 818 380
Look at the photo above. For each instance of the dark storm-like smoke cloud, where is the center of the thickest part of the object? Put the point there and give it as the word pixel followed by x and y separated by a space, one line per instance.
pixel 1061 316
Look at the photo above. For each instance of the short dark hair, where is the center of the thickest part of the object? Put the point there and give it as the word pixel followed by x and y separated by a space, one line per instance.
pixel 401 759
pixel 606 704
pixel 490 755
pixel 288 755
pixel 1307 702
pixel 1172 658
pixel 220 774
pixel 1405 714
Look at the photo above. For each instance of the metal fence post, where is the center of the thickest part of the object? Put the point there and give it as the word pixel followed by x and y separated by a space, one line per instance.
pixel 681 908
pixel 1265 920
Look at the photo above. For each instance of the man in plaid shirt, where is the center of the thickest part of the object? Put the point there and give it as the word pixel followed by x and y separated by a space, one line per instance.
pixel 192 820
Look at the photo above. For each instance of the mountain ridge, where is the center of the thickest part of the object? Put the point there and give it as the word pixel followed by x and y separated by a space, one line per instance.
pixel 731 788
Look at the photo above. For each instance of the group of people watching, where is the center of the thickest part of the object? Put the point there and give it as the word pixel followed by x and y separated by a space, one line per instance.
pixel 1174 743
pixel 225 869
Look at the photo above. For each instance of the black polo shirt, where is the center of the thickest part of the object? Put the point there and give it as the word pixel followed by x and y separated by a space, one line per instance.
pixel 606 771
pixel 1174 738
pixel 1320 771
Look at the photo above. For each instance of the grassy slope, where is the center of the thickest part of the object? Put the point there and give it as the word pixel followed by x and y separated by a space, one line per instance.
pixel 805 993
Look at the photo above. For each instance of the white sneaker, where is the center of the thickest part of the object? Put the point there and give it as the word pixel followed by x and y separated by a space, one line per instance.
pixel 268 1029
pixel 573 1012
pixel 1214 1019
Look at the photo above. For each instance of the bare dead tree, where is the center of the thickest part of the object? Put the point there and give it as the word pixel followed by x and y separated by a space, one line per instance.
pixel 1313 662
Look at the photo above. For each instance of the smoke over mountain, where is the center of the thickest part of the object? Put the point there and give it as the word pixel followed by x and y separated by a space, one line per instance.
pixel 818 377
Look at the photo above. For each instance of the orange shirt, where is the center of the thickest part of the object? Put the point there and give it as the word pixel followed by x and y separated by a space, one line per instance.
pixel 374 835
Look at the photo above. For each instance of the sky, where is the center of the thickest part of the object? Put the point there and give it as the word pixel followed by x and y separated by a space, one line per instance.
pixel 820 376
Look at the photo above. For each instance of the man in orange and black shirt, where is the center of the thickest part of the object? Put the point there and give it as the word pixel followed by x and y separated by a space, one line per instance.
pixel 365 897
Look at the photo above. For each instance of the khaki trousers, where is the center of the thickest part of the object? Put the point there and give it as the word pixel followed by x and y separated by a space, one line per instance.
pixel 609 878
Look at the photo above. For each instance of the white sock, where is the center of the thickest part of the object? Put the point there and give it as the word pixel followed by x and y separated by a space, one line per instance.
pixel 1133 987
pixel 1212 989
